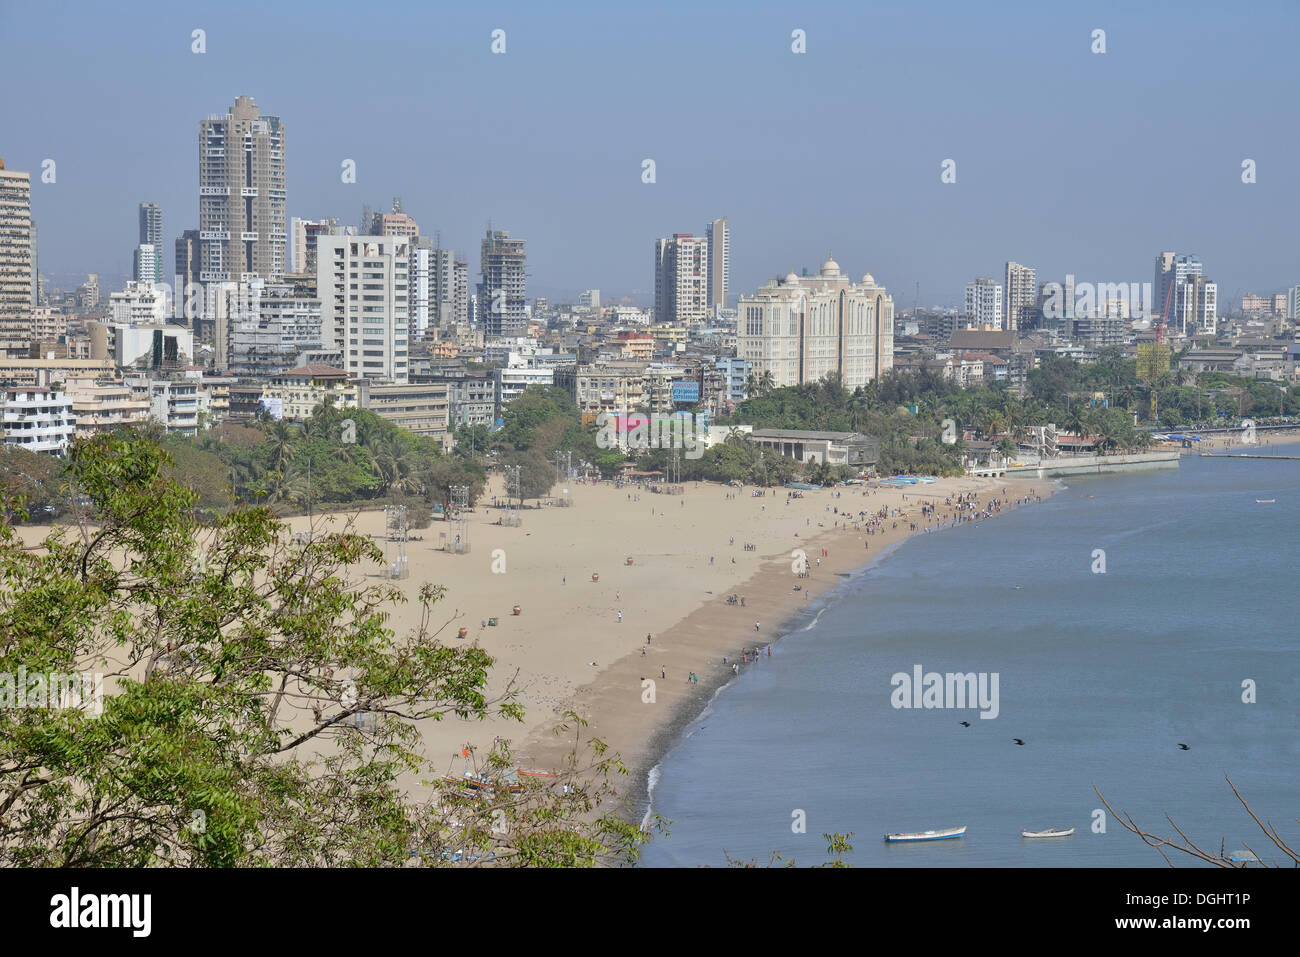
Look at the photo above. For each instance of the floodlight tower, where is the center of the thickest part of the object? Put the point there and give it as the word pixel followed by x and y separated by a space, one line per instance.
pixel 563 472
pixel 513 494
pixel 459 522
pixel 674 466
pixel 395 527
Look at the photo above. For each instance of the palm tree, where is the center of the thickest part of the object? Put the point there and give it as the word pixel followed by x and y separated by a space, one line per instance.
pixel 282 450
pixel 384 461
pixel 281 453
pixel 1076 420
pixel 997 424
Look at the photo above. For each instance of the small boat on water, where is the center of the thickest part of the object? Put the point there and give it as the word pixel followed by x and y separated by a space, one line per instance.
pixel 939 835
pixel 1265 501
pixel 548 775
pixel 1050 832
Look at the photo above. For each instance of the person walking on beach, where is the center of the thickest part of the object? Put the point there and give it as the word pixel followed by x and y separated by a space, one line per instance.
pixel 663 672
pixel 756 626
pixel 620 618
pixel 647 638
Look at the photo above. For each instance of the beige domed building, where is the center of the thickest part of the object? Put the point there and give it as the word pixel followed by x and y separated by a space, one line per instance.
pixel 801 328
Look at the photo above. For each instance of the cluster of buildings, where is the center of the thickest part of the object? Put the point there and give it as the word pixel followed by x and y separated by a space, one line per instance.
pixel 265 313
pixel 1006 327
pixel 1181 298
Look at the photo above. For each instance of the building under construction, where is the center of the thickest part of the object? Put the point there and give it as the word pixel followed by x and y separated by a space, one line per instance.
pixel 502 291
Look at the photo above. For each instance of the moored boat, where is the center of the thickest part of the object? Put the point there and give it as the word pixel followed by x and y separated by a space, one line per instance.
pixel 1050 832
pixel 942 834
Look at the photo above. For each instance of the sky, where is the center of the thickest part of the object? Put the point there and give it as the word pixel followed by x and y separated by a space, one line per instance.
pixel 1066 160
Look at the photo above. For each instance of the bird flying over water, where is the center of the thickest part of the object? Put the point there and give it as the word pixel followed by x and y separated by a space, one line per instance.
pixel 1183 746
pixel 965 724
pixel 1017 740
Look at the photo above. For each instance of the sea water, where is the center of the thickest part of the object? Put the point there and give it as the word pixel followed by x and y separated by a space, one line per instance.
pixel 1188 635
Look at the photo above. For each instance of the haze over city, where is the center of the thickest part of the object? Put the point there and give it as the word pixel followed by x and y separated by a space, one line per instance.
pixel 1066 159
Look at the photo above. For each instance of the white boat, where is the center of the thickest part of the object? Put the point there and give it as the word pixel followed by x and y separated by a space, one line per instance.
pixel 940 835
pixel 1050 832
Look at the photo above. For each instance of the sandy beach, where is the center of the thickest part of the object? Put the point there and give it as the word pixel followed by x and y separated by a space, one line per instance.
pixel 1233 441
pixel 578 643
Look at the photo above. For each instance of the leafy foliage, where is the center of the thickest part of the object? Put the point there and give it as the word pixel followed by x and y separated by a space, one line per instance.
pixel 259 710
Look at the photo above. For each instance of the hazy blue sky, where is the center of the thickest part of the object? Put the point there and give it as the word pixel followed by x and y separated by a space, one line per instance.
pixel 1066 160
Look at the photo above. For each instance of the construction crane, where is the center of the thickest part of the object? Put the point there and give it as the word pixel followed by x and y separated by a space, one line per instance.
pixel 1164 315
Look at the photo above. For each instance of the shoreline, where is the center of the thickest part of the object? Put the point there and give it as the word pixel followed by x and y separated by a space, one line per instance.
pixel 669 737
pixel 715 630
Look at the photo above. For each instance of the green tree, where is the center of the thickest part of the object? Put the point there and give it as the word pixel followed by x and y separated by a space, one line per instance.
pixel 444 473
pixel 259 710
pixel 536 475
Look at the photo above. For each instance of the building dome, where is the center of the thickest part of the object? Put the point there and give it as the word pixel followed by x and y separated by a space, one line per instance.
pixel 791 278
pixel 830 267
pixel 868 280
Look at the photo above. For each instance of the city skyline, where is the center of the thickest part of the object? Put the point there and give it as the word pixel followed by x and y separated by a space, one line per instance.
pixel 1076 198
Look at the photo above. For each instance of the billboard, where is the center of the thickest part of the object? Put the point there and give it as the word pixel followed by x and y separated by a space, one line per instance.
pixel 686 392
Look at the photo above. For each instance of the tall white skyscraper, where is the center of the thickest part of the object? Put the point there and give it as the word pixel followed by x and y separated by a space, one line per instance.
pixel 15 261
pixel 362 283
pixel 681 278
pixel 151 235
pixel 1018 294
pixel 242 227
pixel 38 293
pixel 1185 295
pixel 147 263
pixel 719 235
pixel 984 303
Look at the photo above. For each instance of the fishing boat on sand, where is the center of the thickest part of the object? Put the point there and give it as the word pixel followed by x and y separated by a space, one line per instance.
pixel 940 835
pixel 1050 832
pixel 480 786
pixel 543 775
pixel 481 781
